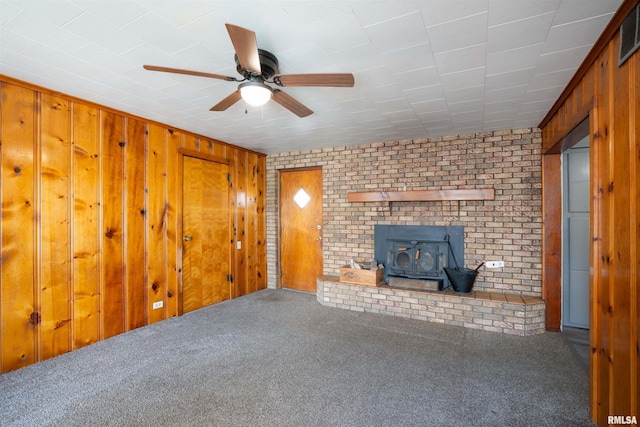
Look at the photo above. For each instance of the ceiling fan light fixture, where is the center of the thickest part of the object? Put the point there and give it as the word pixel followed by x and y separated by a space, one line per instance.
pixel 255 93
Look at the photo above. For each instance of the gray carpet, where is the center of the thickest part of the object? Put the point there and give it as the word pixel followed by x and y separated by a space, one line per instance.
pixel 278 358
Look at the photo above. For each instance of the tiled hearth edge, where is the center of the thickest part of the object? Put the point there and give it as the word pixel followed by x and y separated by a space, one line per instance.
pixel 489 311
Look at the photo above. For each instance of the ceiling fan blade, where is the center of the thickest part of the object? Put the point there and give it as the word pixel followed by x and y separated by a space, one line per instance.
pixel 189 72
pixel 330 80
pixel 290 104
pixel 227 102
pixel 246 47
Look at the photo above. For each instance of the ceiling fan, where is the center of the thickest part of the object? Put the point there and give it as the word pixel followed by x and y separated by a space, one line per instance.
pixel 257 68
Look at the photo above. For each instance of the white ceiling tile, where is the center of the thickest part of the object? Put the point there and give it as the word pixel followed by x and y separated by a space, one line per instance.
pixel 575 34
pixel 506 93
pixel 475 116
pixel 549 94
pixel 500 81
pixel 7 12
pixel 551 80
pixel 358 58
pixel 430 106
pixel 179 13
pixel 410 58
pixel 577 10
pixel 116 16
pixel 520 33
pixel 463 79
pixel 56 13
pixel 513 59
pixel 438 117
pixel 353 34
pixel 407 30
pixel 44 33
pixel 100 33
pixel 169 39
pixel 468 31
pixel 462 95
pixel 529 107
pixel 418 78
pixel 561 60
pixel 505 11
pixel 472 105
pixel 502 107
pixel 60 60
pixel 424 93
pixel 375 12
pixel 490 72
pixel 210 31
pixel 200 57
pixel 13 41
pixel 467 58
pixel 393 105
pixel 441 11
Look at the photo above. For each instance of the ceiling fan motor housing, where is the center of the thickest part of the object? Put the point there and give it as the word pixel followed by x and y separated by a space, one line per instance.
pixel 268 65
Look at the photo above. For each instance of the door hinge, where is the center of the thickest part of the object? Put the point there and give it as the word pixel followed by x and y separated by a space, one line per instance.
pixel 229 179
pixel 229 278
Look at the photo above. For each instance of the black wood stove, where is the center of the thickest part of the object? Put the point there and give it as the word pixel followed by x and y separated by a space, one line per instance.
pixel 414 256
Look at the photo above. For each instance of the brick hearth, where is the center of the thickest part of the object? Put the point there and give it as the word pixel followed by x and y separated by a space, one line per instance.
pixel 489 311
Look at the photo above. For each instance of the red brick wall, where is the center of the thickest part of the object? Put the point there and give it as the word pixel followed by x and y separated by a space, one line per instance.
pixel 508 228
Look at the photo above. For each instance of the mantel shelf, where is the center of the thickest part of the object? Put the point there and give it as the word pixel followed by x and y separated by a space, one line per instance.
pixel 422 195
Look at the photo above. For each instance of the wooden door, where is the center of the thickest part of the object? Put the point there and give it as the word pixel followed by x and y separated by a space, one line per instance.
pixel 206 230
pixel 300 228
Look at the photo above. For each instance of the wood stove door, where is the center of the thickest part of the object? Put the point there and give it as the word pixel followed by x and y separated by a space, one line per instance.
pixel 300 228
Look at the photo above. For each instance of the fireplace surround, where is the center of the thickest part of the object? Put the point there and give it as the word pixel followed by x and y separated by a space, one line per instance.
pixel 414 256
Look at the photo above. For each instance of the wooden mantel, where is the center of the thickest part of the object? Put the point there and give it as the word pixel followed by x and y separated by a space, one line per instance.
pixel 422 195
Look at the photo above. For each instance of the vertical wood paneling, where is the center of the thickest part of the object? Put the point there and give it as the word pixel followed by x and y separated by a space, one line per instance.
pixel 86 226
pixel 135 220
pixel 621 242
pixel 113 267
pixel 615 182
pixel 55 278
pixel 261 238
pixel 635 207
pixel 219 150
pixel 602 285
pixel 251 234
pixel 92 219
pixel 240 185
pixel 552 235
pixel 157 222
pixel 17 281
pixel 174 142
pixel 192 142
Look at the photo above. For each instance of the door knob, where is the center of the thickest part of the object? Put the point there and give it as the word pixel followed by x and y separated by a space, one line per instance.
pixel 187 238
pixel 319 238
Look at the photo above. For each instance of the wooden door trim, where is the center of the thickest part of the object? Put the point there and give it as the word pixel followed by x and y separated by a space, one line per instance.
pixel 302 169
pixel 552 224
pixel 182 153
pixel 203 156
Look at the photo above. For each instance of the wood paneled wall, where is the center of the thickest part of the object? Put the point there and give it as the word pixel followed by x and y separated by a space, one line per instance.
pixel 90 221
pixel 609 96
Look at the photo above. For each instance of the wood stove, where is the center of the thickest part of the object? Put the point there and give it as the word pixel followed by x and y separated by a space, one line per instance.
pixel 414 257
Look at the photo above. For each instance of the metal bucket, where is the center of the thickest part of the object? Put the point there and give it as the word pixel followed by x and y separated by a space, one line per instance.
pixel 461 280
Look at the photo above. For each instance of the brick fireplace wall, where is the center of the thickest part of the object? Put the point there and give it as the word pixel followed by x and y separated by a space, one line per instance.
pixel 508 228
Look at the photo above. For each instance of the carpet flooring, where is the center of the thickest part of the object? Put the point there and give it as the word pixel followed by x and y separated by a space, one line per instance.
pixel 278 358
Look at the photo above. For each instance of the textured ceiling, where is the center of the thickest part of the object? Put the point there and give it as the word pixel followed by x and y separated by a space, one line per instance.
pixel 422 68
